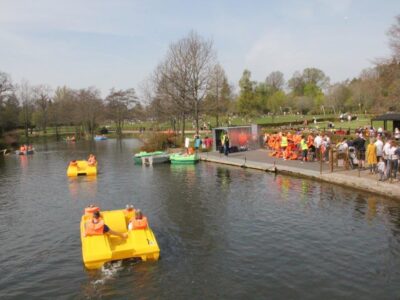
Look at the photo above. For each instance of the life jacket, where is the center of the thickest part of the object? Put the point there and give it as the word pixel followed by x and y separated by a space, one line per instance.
pixel 129 213
pixel 139 223
pixel 323 148
pixel 90 210
pixel 271 142
pixel 278 143
pixel 303 145
pixel 94 228
pixel 310 141
pixel 284 141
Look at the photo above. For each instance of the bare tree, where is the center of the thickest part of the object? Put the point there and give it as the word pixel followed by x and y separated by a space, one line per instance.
pixel 201 63
pixel 62 108
pixel 183 78
pixel 172 93
pixel 275 81
pixel 219 94
pixel 119 102
pixel 394 38
pixel 6 86
pixel 42 100
pixel 90 108
pixel 25 97
pixel 7 98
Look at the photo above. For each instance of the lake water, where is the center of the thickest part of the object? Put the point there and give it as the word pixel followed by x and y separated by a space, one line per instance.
pixel 224 233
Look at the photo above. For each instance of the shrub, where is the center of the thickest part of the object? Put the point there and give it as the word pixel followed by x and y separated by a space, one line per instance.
pixel 159 141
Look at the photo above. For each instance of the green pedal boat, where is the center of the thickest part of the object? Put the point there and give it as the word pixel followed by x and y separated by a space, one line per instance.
pixel 184 159
pixel 153 157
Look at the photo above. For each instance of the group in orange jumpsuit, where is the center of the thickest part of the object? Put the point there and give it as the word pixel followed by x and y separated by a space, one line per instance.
pixel 289 152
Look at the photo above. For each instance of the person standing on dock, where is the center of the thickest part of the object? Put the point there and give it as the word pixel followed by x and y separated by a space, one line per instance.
pixel 386 153
pixel 225 143
pixel 317 145
pixel 197 143
pixel 379 148
pixel 371 156
pixel 393 161
pixel 381 169
pixel 304 148
pixel 359 144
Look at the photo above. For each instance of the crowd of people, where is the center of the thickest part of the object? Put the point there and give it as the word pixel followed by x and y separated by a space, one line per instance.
pixel 25 148
pixel 370 149
pixel 198 143
pixel 298 146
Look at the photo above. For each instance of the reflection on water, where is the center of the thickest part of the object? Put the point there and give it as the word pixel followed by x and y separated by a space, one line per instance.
pixel 372 207
pixel 224 175
pixel 23 159
pixel 83 187
pixel 226 232
pixel 284 185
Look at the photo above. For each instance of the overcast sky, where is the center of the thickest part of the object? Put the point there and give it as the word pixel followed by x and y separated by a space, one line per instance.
pixel 81 43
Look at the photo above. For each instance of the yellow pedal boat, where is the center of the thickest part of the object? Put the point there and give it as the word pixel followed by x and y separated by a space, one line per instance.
pixel 81 167
pixel 99 249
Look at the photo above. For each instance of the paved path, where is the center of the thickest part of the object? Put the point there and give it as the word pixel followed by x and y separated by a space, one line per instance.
pixel 259 159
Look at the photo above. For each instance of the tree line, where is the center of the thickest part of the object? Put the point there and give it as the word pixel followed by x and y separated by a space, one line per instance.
pixel 25 106
pixel 190 84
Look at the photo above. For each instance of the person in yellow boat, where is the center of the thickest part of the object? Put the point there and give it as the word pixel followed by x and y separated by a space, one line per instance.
pixel 138 222
pixel 92 160
pixel 96 226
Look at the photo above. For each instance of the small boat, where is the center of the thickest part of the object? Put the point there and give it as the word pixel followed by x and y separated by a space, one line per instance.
pixel 155 159
pixel 26 152
pixel 138 156
pixel 100 138
pixel 101 248
pixel 184 159
pixel 81 168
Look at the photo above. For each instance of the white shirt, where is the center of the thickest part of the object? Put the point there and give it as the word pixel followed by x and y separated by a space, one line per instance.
pixel 342 147
pixel 379 147
pixel 396 134
pixel 328 140
pixel 318 141
pixel 393 156
pixel 381 167
pixel 187 141
pixel 386 150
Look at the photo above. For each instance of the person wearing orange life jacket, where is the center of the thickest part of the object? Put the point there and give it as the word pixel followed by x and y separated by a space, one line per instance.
pixel 138 222
pixel 92 160
pixel 96 226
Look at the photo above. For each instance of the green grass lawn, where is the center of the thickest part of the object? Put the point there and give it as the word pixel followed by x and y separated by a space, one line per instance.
pixel 234 121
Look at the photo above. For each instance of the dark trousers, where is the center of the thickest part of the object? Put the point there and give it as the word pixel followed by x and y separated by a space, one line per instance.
pixel 226 149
